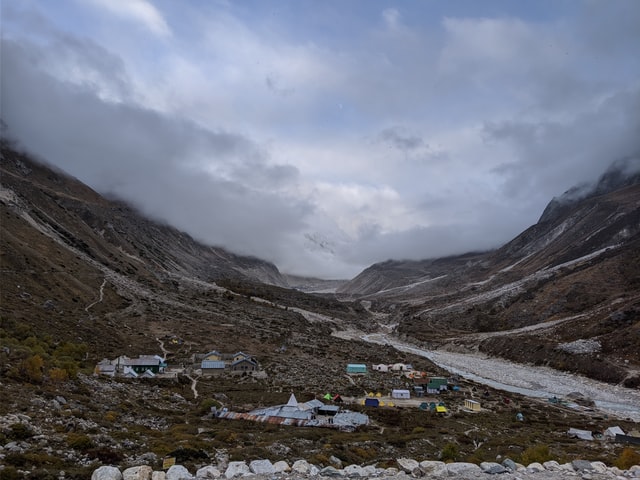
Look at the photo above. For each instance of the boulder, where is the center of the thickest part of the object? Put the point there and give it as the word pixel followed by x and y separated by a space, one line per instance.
pixel 509 465
pixel 599 467
pixel 582 466
pixel 535 467
pixel 178 472
pixel 208 473
pixel 106 473
pixel 407 465
pixel 370 471
pixel 353 471
pixel 463 468
pixel 261 467
pixel 433 468
pixel 237 469
pixel 331 472
pixel 281 467
pixel 142 472
pixel 551 465
pixel 158 476
pixel 492 468
pixel 301 466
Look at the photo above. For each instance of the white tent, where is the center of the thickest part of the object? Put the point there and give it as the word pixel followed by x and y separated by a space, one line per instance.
pixel 611 432
pixel 292 401
pixel 400 394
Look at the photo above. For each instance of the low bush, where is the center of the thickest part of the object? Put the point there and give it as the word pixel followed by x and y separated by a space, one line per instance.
pixel 627 459
pixel 536 453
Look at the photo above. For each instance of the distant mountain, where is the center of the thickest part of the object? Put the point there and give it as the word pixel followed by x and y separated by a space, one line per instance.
pixel 578 265
pixel 112 233
pixel 76 266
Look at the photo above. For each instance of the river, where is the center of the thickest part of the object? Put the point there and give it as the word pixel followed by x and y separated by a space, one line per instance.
pixel 532 381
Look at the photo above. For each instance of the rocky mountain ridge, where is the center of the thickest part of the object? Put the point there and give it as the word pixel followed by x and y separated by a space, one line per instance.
pixel 580 262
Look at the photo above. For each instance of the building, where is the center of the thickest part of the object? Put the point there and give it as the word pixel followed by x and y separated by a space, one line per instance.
pixel 216 363
pixel 471 405
pixel 356 368
pixel 400 394
pixel 132 367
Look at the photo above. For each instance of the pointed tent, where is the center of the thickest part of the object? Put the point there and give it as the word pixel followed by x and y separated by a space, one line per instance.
pixel 337 398
pixel 292 401
pixel 327 396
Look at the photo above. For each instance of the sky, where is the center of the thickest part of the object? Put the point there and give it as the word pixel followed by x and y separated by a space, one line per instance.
pixel 325 136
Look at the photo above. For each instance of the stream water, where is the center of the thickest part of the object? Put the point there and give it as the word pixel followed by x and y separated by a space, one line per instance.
pixel 532 381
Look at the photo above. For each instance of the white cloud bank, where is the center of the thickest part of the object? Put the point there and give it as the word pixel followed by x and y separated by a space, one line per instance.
pixel 326 143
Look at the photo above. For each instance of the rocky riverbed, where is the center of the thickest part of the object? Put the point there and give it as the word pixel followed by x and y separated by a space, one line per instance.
pixel 406 469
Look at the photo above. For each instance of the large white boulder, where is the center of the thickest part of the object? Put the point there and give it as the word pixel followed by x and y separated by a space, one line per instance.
pixel 408 465
pixel 178 472
pixel 208 473
pixel 301 466
pixel 106 473
pixel 237 469
pixel 141 472
pixel 261 467
pixel 281 467
pixel 463 468
pixel 353 471
pixel 433 468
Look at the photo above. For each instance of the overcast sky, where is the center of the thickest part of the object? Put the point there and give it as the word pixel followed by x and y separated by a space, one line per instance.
pixel 327 135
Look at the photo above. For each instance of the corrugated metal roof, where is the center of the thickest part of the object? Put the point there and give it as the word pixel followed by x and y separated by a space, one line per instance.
pixel 218 364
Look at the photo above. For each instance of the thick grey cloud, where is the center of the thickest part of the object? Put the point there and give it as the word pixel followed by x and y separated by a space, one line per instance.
pixel 326 143
pixel 212 184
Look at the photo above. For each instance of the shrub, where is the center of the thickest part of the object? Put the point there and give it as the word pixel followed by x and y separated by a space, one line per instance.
pixel 627 459
pixel 105 455
pixel 32 368
pixel 536 453
pixel 185 454
pixel 9 473
pixel 57 375
pixel 20 431
pixel 79 441
pixel 449 452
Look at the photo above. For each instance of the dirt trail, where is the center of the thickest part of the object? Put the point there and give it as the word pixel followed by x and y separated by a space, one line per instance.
pixel 100 298
pixel 194 382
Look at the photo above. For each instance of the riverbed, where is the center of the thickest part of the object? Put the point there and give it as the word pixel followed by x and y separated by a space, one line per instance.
pixel 529 380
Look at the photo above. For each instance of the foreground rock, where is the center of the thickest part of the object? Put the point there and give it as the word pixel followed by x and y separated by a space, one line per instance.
pixel 407 469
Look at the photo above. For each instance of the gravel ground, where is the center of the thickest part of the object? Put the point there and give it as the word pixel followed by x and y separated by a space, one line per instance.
pixel 529 380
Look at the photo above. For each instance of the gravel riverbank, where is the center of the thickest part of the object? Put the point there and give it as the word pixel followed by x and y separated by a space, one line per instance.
pixel 529 380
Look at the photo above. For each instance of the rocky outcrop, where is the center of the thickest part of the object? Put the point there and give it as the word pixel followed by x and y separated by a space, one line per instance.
pixel 407 468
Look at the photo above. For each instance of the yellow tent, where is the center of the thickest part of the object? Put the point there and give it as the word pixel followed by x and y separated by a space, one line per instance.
pixel 441 409
pixel 378 394
pixel 382 404
pixel 362 402
pixel 370 394
pixel 391 404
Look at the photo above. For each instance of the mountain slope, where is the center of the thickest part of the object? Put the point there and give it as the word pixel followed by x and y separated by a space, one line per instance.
pixel 79 267
pixel 578 268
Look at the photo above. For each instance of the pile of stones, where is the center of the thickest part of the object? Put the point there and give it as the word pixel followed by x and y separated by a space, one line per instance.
pixel 407 469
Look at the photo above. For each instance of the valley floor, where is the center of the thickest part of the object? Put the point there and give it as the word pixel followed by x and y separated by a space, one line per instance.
pixel 528 380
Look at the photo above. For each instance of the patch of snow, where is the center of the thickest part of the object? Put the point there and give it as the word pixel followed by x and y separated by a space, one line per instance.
pixel 409 286
pixel 581 346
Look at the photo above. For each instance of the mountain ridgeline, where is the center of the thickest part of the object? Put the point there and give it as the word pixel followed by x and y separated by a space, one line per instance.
pixel 78 265
pixel 571 279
